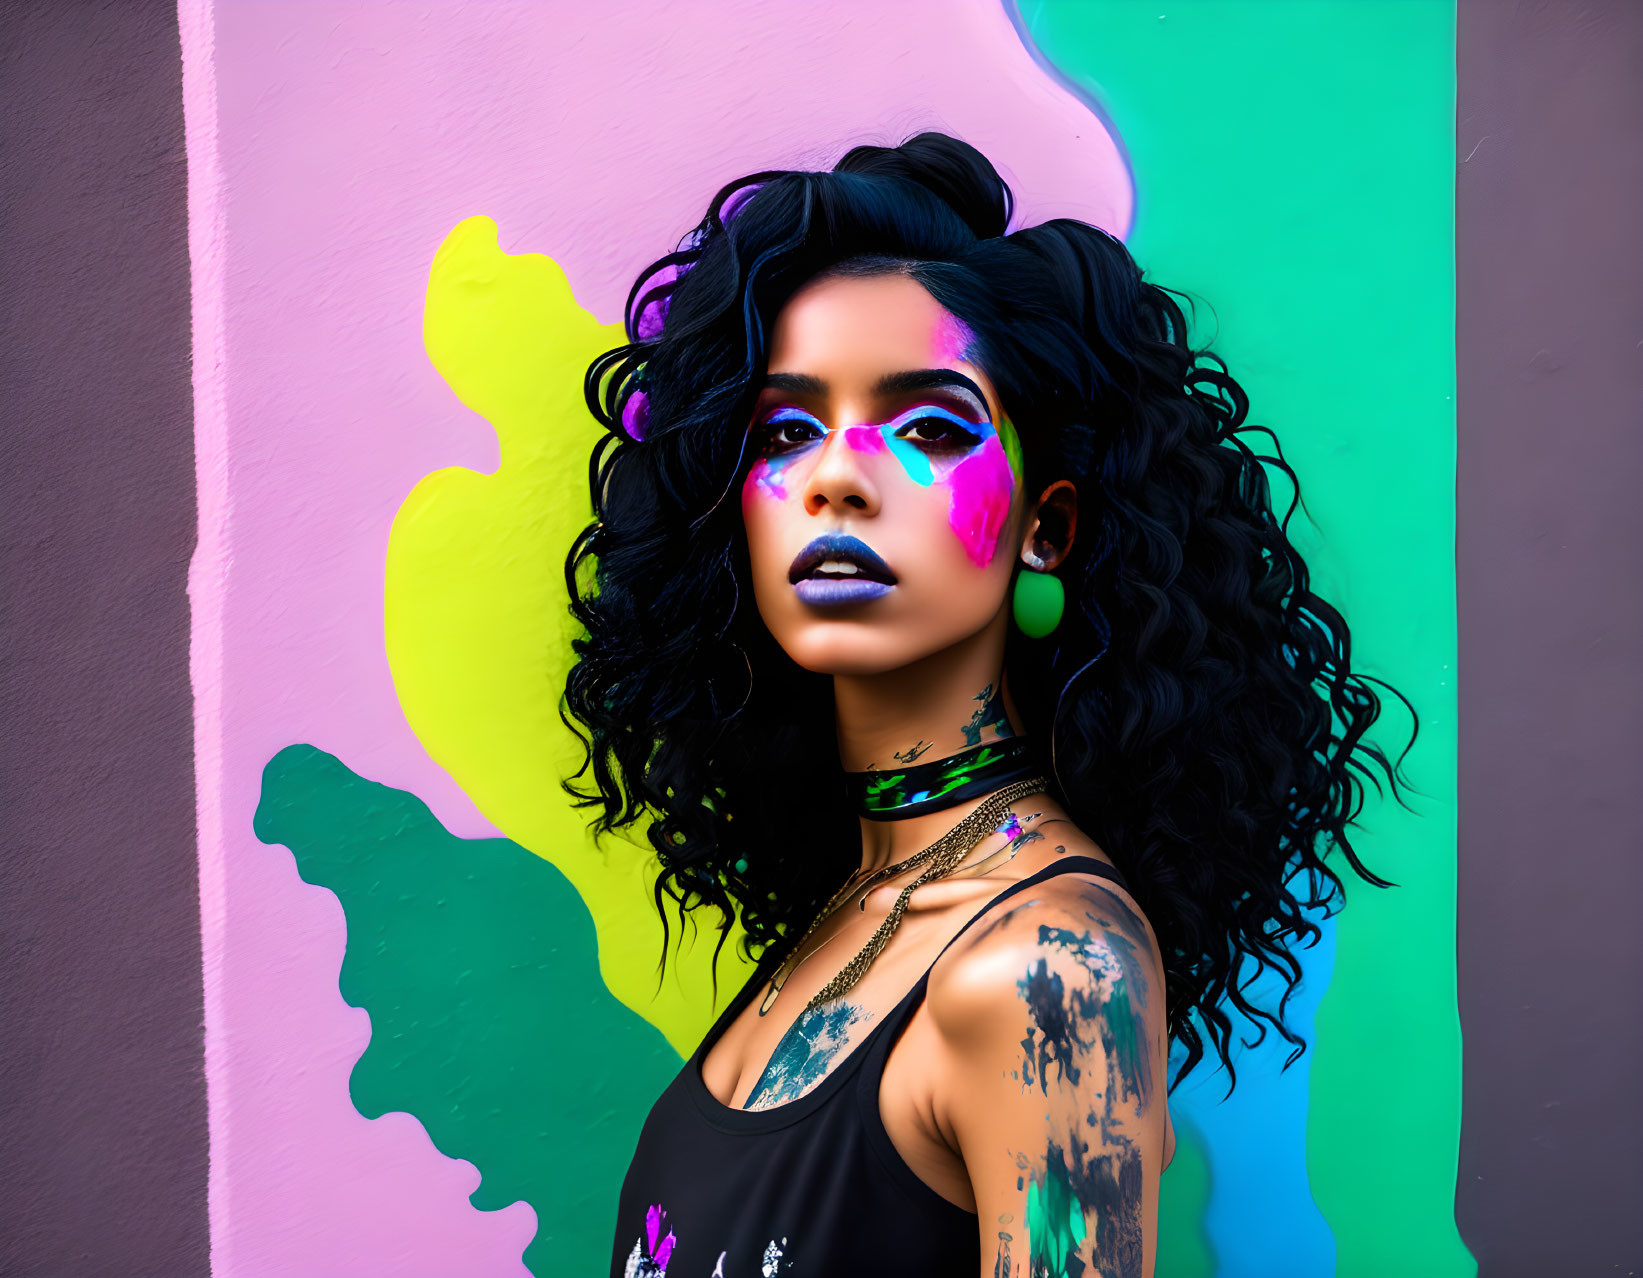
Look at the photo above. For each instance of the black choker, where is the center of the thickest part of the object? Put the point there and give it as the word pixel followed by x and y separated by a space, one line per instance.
pixel 890 795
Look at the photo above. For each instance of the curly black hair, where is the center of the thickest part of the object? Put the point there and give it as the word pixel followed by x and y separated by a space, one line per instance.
pixel 1204 723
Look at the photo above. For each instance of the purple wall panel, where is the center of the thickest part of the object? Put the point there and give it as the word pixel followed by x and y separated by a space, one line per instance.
pixel 1550 297
pixel 102 1098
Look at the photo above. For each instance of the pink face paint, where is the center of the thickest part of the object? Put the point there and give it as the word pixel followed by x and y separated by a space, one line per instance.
pixel 979 499
pixel 980 482
pixel 765 477
pixel 981 485
pixel 953 340
pixel 865 439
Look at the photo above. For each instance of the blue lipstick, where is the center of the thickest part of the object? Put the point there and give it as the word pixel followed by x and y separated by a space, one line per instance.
pixel 870 579
pixel 838 590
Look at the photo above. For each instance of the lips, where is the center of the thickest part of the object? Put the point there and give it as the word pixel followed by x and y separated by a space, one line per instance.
pixel 843 549
pixel 852 573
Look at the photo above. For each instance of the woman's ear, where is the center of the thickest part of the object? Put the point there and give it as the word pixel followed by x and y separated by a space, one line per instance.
pixel 1051 525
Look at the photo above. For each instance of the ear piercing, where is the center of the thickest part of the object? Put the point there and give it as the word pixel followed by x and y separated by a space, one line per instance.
pixel 1038 599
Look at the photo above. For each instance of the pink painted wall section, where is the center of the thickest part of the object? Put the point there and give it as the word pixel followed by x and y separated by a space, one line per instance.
pixel 331 148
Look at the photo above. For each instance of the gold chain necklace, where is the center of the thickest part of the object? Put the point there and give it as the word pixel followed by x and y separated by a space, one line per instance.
pixel 942 856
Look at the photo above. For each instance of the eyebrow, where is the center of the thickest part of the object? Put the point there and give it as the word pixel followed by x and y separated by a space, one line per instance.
pixel 890 384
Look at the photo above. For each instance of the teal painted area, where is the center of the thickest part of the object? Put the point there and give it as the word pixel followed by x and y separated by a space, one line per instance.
pixel 1055 1217
pixel 478 964
pixel 1184 1249
pixel 915 463
pixel 1294 167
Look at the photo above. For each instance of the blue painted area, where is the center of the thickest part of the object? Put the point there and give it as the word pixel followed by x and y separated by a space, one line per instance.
pixel 914 462
pixel 1262 1221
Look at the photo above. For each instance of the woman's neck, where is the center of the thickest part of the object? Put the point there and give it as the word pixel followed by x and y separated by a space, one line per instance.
pixel 950 701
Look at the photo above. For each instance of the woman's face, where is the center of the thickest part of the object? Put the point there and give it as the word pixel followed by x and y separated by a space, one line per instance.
pixel 884 502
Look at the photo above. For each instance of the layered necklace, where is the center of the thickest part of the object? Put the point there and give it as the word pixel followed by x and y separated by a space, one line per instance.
pixel 1000 771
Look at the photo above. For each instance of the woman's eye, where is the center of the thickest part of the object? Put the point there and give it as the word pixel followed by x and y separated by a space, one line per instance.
pixel 785 433
pixel 938 430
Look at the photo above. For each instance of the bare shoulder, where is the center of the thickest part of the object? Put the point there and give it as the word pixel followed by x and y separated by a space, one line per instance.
pixel 1076 932
pixel 1046 1073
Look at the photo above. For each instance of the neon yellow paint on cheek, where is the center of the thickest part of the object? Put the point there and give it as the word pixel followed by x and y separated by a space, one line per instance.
pixel 1012 448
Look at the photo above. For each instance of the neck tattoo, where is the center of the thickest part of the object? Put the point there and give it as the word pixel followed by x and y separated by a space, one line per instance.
pixel 991 715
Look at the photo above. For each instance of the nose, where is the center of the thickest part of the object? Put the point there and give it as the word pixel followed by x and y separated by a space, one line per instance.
pixel 841 477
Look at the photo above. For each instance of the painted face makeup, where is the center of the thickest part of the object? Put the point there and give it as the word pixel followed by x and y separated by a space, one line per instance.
pixel 977 463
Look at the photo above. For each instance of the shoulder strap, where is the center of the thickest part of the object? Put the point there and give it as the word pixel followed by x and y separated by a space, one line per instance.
pixel 884 1034
pixel 1062 865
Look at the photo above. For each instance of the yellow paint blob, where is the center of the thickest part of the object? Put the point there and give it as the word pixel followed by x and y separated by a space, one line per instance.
pixel 477 621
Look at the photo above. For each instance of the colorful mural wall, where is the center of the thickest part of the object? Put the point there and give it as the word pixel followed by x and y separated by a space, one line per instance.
pixel 433 1028
pixel 431 1015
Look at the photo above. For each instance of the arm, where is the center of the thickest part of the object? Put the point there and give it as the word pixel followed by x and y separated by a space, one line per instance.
pixel 1052 1028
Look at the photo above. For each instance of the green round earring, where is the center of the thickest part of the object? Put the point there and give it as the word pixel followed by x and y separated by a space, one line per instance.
pixel 1038 601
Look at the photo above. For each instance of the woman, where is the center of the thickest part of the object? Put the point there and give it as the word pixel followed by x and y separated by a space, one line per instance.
pixel 939 624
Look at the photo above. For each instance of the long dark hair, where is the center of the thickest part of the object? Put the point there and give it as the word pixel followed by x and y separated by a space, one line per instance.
pixel 1202 719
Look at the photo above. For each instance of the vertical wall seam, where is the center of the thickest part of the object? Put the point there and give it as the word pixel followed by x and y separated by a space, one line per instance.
pixel 207 569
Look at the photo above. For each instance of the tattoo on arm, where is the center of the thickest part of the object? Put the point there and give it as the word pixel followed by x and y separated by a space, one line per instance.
pixel 1001 1258
pixel 1098 1017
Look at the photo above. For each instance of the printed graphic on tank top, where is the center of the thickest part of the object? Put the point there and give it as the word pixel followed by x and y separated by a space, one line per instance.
pixel 813 1186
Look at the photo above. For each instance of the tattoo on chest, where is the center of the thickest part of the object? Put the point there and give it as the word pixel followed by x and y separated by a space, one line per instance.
pixel 805 1054
pixel 1015 828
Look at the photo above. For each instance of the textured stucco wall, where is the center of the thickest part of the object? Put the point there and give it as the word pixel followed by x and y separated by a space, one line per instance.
pixel 339 388
pixel 102 1089
pixel 1550 550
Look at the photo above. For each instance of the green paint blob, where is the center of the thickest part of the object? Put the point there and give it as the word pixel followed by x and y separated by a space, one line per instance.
pixel 1184 1249
pixel 1124 1023
pixel 1343 174
pixel 490 1024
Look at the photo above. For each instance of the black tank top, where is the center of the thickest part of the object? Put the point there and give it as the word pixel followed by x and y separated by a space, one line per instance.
pixel 810 1187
